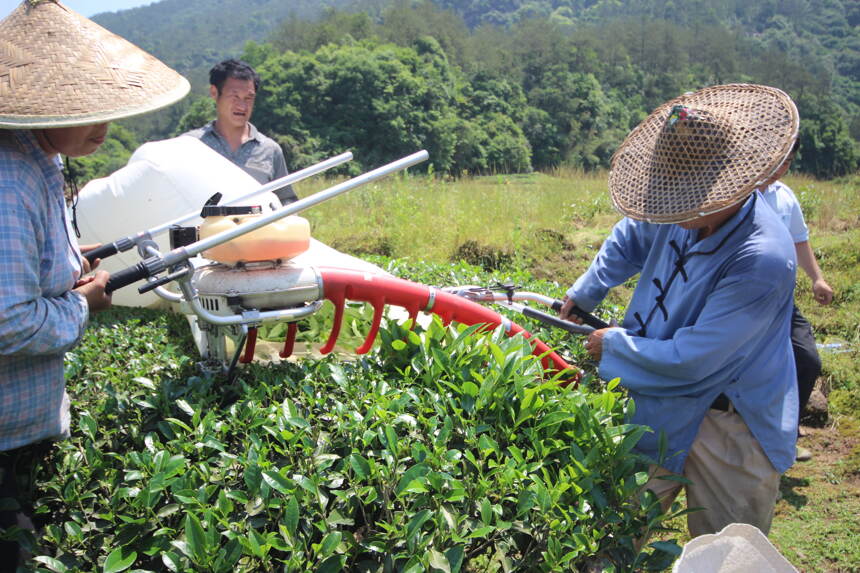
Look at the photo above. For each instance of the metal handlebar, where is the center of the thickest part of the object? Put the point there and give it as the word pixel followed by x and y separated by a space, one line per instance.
pixel 127 243
pixel 507 298
pixel 155 264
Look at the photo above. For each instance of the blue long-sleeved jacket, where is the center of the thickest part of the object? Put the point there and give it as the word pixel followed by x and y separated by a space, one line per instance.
pixel 707 317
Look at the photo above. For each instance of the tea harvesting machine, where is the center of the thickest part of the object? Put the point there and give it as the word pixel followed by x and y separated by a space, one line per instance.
pixel 243 273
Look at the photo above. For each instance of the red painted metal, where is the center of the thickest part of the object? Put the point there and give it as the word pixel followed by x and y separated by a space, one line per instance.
pixel 250 345
pixel 289 340
pixel 340 285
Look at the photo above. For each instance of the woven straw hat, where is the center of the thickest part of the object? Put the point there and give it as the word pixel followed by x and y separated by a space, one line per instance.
pixel 59 69
pixel 702 152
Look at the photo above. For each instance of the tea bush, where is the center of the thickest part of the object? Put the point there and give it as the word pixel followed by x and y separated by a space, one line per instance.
pixel 444 450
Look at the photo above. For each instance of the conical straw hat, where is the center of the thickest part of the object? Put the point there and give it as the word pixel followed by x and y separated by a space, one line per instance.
pixel 702 152
pixel 59 69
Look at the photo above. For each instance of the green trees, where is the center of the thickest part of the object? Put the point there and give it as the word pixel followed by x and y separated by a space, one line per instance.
pixel 375 99
pixel 826 148
pixel 535 108
pixel 501 85
pixel 201 112
pixel 382 101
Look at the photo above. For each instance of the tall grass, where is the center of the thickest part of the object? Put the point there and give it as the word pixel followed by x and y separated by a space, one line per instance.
pixel 427 218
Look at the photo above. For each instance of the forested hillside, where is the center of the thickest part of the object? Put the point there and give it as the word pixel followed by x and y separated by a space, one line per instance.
pixel 189 35
pixel 503 85
pixel 822 35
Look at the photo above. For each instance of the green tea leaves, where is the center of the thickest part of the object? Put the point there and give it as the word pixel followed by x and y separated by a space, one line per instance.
pixel 119 560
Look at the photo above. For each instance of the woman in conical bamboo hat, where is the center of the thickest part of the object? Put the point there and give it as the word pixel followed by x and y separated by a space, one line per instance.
pixel 63 78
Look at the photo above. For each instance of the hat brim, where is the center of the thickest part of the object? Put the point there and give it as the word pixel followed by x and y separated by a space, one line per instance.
pixel 48 122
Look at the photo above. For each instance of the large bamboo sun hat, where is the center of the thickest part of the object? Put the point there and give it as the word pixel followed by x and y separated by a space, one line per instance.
pixel 59 69
pixel 702 152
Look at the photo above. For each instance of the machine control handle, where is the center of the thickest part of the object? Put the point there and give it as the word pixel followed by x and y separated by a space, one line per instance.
pixel 556 322
pixel 586 317
pixel 152 285
pixel 144 269
pixel 105 251
pixel 126 277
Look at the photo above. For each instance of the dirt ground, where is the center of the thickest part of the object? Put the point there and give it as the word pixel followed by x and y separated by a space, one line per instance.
pixel 817 521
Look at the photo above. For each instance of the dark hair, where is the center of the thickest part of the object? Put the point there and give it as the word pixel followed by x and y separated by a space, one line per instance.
pixel 232 69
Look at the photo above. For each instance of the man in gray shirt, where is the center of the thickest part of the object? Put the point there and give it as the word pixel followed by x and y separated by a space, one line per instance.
pixel 233 86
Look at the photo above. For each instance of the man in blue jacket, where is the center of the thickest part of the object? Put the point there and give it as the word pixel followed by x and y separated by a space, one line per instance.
pixel 704 349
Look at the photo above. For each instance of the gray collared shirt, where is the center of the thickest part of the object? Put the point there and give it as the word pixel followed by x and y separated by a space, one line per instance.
pixel 260 157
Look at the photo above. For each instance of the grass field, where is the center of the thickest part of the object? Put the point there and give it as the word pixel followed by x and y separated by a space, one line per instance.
pixel 553 224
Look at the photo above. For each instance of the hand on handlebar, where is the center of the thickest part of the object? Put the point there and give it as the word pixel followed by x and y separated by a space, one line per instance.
pixel 566 311
pixel 594 343
pixel 93 289
pixel 89 266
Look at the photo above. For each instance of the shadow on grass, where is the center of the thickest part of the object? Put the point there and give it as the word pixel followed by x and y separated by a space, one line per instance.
pixel 788 486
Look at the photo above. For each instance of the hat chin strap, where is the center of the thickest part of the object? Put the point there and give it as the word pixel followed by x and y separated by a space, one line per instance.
pixel 68 175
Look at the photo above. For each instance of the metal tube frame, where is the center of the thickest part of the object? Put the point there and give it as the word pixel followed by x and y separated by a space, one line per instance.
pixel 183 253
pixel 482 294
pixel 141 238
pixel 189 295
pixel 181 256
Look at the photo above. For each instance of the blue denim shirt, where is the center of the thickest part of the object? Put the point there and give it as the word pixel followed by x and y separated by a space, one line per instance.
pixel 706 317
pixel 40 316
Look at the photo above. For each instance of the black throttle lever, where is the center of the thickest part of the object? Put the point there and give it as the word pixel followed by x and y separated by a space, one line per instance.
pixel 587 317
pixel 152 285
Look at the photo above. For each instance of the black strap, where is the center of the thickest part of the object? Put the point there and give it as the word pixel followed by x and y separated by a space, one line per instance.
pixel 70 174
pixel 679 263
pixel 660 298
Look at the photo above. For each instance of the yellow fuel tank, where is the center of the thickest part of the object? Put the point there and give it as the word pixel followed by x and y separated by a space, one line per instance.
pixel 281 240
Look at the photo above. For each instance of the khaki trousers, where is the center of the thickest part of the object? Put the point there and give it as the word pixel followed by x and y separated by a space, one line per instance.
pixel 732 478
